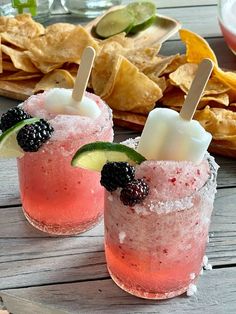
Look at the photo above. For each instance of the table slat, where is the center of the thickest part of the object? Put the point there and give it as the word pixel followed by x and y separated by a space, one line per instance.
pixel 103 296
pixel 29 257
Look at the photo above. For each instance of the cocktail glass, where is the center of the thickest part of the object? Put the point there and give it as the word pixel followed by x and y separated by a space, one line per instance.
pixel 227 20
pixel 155 249
pixel 56 197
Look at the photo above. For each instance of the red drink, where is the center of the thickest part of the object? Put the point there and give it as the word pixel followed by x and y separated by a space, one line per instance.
pixel 155 249
pixel 56 197
pixel 227 20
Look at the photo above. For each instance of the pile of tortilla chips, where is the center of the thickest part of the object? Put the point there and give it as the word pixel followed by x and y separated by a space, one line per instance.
pixel 130 77
pixel 134 81
pixel 34 58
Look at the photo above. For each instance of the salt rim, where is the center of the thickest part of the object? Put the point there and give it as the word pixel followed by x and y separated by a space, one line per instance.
pixel 192 289
pixel 182 203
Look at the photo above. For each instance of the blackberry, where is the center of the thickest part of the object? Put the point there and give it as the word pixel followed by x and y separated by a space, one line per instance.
pixel 134 192
pixel 11 117
pixel 32 136
pixel 116 174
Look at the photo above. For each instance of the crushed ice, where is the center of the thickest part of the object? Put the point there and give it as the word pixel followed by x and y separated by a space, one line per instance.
pixel 192 289
pixel 122 236
pixel 206 265
pixel 192 276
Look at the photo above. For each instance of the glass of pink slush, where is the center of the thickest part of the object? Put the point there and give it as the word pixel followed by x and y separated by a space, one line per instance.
pixel 227 21
pixel 57 198
pixel 155 249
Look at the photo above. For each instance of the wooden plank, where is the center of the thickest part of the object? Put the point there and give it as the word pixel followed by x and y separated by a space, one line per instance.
pixel 103 296
pixel 179 3
pixel 9 191
pixel 29 257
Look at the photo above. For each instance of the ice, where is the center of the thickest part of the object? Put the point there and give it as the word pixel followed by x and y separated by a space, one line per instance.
pixel 110 198
pixel 69 126
pixel 192 289
pixel 172 184
pixel 122 236
pixel 206 265
pixel 192 276
pixel 205 260
pixel 171 180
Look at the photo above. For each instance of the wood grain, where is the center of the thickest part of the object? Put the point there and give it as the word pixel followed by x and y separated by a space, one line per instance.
pixel 103 296
pixel 29 257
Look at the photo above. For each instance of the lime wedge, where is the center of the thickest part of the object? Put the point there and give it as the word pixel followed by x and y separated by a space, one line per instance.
pixel 114 22
pixel 8 144
pixel 144 13
pixel 94 156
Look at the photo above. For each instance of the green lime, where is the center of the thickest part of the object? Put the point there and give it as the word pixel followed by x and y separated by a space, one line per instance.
pixel 144 13
pixel 8 143
pixel 94 156
pixel 114 22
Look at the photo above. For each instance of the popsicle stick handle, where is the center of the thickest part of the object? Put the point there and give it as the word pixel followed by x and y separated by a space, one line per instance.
pixel 196 90
pixel 84 71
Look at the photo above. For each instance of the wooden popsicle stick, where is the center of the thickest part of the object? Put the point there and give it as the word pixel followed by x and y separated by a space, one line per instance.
pixel 84 71
pixel 196 90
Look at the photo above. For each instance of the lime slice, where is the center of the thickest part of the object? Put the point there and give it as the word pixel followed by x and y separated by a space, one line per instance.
pixel 8 144
pixel 95 155
pixel 114 22
pixel 144 13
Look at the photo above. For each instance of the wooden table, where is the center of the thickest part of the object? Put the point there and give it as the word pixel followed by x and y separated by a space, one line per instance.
pixel 42 274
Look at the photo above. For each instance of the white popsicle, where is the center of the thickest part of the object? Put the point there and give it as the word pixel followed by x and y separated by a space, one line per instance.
pixel 74 102
pixel 168 135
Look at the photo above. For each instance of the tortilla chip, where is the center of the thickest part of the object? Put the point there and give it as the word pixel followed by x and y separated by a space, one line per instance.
pixel 59 27
pixel 222 99
pixel 173 99
pixel 175 63
pixel 22 25
pixel 104 64
pixel 197 47
pixel 8 66
pixel 228 78
pixel 143 58
pixel 57 78
pixel 129 120
pixel 185 74
pixel 132 90
pixel 19 59
pixel 44 67
pixel 1 61
pixel 121 39
pixel 18 41
pixel 20 75
pixel 19 90
pixel 221 123
pixel 160 81
pixel 64 47
pixel 160 65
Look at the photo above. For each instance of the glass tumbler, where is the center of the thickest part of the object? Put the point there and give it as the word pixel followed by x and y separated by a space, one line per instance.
pixel 227 21
pixel 90 8
pixel 155 250
pixel 56 197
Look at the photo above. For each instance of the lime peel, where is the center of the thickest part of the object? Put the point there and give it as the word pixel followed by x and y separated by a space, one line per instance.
pixel 144 13
pixel 94 156
pixel 8 143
